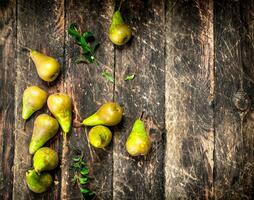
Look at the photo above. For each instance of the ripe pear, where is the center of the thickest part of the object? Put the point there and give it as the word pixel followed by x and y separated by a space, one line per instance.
pixel 38 183
pixel 138 142
pixel 47 67
pixel 45 159
pixel 109 114
pixel 119 32
pixel 45 127
pixel 59 105
pixel 33 99
pixel 99 136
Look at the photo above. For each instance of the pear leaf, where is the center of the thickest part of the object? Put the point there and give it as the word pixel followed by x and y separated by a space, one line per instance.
pixel 129 77
pixel 108 76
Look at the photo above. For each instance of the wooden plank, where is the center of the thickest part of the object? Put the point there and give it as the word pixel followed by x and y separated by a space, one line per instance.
pixel 234 76
pixel 189 100
pixel 7 68
pixel 141 178
pixel 40 26
pixel 89 90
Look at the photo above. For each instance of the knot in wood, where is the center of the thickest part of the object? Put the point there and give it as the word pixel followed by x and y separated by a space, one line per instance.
pixel 241 100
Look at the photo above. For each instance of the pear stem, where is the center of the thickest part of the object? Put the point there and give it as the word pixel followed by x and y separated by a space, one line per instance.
pixel 26 48
pixel 142 115
pixel 24 125
pixel 120 4
pixel 77 124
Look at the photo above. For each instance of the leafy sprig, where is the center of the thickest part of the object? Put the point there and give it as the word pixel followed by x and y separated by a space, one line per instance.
pixel 81 176
pixel 87 42
pixel 129 77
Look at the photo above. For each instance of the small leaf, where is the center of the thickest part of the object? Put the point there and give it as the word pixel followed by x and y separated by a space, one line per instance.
pixel 73 31
pixel 87 35
pixel 129 77
pixel 74 179
pixel 108 76
pixel 84 171
pixel 83 181
pixel 84 190
pixel 76 159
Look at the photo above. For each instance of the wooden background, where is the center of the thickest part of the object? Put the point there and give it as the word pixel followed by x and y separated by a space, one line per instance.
pixel 193 61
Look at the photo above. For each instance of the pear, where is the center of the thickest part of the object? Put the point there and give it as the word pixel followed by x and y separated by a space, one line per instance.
pixel 45 159
pixel 109 114
pixel 45 127
pixel 33 99
pixel 119 32
pixel 47 67
pixel 99 136
pixel 138 142
pixel 59 105
pixel 38 183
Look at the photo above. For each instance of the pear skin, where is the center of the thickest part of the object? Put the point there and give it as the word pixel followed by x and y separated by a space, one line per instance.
pixel 45 128
pixel 33 99
pixel 38 183
pixel 60 106
pixel 47 67
pixel 45 159
pixel 109 114
pixel 99 136
pixel 138 142
pixel 119 32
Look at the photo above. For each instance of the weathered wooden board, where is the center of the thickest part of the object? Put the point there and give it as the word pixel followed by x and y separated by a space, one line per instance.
pixel 141 178
pixel 40 26
pixel 189 100
pixel 7 75
pixel 190 58
pixel 233 26
pixel 89 90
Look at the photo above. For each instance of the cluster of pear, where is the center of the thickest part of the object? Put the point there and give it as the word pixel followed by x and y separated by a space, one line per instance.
pixel 45 128
pixel 110 114
pixel 59 104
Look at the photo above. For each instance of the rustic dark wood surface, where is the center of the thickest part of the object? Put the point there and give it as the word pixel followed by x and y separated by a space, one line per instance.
pixel 193 61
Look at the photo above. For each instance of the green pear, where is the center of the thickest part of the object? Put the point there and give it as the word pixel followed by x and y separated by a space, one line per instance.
pixel 119 32
pixel 38 183
pixel 33 99
pixel 109 114
pixel 47 67
pixel 45 159
pixel 138 142
pixel 45 127
pixel 99 136
pixel 59 105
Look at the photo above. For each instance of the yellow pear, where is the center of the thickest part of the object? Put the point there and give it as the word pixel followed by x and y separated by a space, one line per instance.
pixel 33 99
pixel 47 67
pixel 138 142
pixel 99 136
pixel 59 105
pixel 119 32
pixel 109 114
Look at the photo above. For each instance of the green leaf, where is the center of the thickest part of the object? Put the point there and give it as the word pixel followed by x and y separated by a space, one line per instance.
pixel 86 48
pixel 73 31
pixel 74 179
pixel 108 76
pixel 76 159
pixel 84 171
pixel 85 190
pixel 83 181
pixel 129 77
pixel 88 35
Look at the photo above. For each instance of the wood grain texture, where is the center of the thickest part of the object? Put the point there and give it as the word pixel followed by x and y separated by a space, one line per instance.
pixel 233 124
pixel 141 177
pixel 89 90
pixel 7 74
pixel 189 100
pixel 40 26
